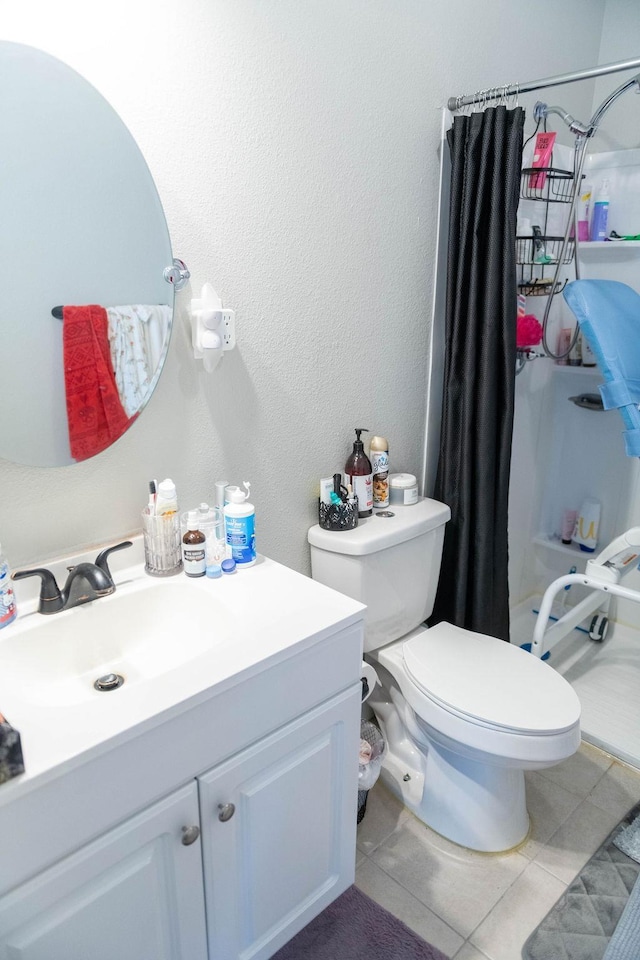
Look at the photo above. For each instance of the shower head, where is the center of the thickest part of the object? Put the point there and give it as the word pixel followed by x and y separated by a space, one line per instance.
pixel 541 111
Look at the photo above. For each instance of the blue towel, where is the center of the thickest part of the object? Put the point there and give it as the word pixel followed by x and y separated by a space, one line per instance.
pixel 609 316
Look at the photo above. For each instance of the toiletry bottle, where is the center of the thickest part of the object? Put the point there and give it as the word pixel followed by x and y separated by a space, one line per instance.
pixel 211 523
pixel 379 452
pixel 8 609
pixel 584 211
pixel 360 475
pixel 220 502
pixel 587 524
pixel 166 499
pixel 194 559
pixel 239 523
pixel 569 518
pixel 575 354
pixel 600 213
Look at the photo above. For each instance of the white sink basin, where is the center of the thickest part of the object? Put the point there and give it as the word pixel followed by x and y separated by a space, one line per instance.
pixel 142 631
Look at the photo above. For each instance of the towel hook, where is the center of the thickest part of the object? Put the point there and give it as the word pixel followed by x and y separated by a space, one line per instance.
pixel 177 274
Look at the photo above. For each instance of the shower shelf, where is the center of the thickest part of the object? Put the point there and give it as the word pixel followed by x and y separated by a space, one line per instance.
pixel 528 248
pixel 599 245
pixel 564 368
pixel 540 287
pixel 557 185
pixel 554 543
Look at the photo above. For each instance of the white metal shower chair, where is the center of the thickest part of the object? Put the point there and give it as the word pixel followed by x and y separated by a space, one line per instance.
pixel 603 575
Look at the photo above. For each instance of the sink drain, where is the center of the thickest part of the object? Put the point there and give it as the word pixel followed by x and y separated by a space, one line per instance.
pixel 110 681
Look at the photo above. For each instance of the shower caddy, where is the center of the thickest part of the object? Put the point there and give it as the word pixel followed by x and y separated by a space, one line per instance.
pixel 534 253
pixel 603 575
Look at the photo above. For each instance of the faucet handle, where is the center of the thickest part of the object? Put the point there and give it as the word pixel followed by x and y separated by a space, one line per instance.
pixel 101 559
pixel 51 600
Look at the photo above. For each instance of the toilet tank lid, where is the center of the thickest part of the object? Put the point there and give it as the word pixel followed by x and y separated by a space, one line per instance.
pixel 379 532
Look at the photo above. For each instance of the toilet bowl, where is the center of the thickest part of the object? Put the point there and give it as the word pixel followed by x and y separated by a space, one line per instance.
pixel 460 740
pixel 464 714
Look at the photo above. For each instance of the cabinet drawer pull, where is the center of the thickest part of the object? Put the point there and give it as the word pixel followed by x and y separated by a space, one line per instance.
pixel 226 811
pixel 190 835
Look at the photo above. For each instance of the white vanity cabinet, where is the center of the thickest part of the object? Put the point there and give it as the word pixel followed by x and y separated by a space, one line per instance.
pixel 277 832
pixel 133 894
pixel 259 764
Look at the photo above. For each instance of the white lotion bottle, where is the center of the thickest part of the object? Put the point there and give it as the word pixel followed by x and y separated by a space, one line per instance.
pixel 239 524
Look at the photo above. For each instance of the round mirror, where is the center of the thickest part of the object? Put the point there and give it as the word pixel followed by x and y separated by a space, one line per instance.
pixel 85 315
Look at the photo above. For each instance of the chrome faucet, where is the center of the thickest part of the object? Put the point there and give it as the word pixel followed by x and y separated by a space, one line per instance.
pixel 85 582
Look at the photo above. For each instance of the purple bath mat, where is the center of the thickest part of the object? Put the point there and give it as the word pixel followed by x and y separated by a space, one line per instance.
pixel 354 927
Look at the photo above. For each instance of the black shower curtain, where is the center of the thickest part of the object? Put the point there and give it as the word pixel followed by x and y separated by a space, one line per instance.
pixel 479 374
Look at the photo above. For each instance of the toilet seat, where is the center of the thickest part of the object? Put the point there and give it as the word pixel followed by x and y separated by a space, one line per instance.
pixel 488 682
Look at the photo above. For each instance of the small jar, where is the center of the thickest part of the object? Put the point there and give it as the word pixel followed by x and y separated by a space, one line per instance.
pixel 403 489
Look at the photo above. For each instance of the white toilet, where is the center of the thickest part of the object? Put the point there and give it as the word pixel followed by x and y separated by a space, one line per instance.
pixel 464 714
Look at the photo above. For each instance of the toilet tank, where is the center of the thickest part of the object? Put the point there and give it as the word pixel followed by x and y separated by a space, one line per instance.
pixel 390 562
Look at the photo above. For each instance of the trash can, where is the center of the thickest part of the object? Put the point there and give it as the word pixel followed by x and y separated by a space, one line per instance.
pixel 371 753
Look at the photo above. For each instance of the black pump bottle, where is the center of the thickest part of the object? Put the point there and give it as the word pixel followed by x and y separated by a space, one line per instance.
pixel 359 474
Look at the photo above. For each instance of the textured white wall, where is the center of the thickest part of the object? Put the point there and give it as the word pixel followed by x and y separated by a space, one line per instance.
pixel 294 146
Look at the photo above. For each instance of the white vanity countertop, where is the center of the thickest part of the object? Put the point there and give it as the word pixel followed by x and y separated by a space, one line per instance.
pixel 264 614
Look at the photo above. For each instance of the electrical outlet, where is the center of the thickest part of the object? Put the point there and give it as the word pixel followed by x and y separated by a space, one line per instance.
pixel 228 329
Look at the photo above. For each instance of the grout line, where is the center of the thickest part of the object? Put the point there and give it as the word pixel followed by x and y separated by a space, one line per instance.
pixel 418 900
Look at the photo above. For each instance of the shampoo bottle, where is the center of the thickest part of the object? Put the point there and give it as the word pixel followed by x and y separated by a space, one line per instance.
pixel 379 451
pixel 359 474
pixel 8 610
pixel 239 523
pixel 600 213
pixel 194 558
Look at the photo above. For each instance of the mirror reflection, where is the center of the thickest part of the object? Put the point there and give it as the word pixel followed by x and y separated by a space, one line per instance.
pixel 85 315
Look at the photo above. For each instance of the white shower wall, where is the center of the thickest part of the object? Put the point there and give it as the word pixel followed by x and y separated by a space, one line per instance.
pixel 563 454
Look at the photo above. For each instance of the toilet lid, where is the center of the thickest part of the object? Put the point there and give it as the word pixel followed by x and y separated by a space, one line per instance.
pixel 489 681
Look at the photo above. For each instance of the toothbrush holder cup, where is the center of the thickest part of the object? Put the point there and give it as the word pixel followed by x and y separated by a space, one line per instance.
pixel 162 548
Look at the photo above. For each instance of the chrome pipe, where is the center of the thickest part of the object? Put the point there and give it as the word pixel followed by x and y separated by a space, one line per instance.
pixel 513 89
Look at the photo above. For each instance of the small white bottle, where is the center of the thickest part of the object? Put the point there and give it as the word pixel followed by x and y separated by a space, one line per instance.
pixel 194 553
pixel 166 499
pixel 239 523
pixel 8 609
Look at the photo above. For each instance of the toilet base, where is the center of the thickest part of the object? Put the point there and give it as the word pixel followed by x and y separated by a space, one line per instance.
pixel 476 805
pixel 472 799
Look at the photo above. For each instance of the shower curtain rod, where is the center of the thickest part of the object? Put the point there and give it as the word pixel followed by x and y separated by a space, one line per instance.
pixel 513 89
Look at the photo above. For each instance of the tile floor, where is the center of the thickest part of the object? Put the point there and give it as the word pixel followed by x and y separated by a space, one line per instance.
pixel 476 906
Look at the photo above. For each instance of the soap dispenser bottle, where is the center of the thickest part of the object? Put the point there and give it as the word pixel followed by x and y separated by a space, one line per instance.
pixel 359 473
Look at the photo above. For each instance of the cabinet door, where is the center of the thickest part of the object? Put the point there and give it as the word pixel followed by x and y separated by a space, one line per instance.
pixel 279 830
pixel 133 894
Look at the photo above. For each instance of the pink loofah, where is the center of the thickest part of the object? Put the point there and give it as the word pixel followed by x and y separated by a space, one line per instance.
pixel 528 331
